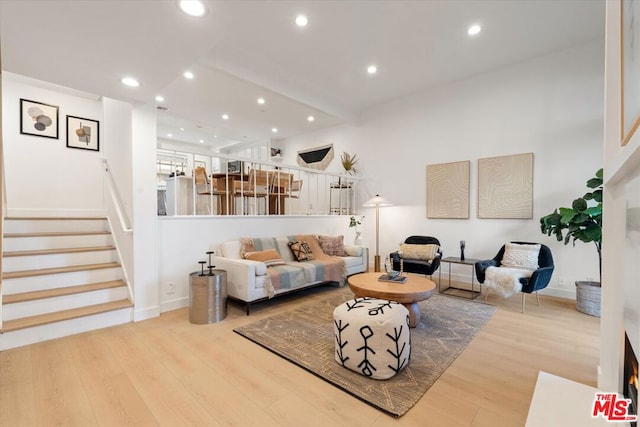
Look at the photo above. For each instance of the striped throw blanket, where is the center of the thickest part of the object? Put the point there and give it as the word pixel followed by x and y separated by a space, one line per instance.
pixel 293 274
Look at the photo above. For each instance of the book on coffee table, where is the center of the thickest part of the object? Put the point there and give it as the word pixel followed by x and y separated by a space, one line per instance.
pixel 392 277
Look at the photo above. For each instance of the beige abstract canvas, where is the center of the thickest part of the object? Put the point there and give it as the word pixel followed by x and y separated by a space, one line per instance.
pixel 505 187
pixel 448 190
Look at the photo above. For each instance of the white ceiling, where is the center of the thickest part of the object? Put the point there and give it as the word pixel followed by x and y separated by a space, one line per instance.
pixel 243 50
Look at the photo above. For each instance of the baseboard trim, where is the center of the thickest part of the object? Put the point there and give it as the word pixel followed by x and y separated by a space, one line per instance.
pixel 174 304
pixel 146 313
pixel 560 293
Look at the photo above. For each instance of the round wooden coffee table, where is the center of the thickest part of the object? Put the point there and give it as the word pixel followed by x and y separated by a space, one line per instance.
pixel 409 293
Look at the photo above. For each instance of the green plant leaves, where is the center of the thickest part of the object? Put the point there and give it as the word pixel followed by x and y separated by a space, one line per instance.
pixel 579 204
pixel 579 222
pixel 567 215
pixel 594 211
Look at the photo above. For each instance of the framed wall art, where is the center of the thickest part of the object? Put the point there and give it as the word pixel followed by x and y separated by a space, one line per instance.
pixel 630 68
pixel 505 187
pixel 39 119
pixel 83 133
pixel 448 190
pixel 316 158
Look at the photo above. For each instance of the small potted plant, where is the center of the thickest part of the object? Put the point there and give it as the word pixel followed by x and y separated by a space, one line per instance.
pixel 349 163
pixel 583 222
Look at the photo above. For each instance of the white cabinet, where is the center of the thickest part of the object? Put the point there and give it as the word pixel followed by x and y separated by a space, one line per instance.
pixel 180 195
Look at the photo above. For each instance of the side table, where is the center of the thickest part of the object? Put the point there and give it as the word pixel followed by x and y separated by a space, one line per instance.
pixel 454 291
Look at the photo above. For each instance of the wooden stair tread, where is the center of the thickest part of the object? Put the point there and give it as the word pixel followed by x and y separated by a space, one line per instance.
pixel 36 218
pixel 58 251
pixel 74 313
pixel 56 233
pixel 56 292
pixel 58 270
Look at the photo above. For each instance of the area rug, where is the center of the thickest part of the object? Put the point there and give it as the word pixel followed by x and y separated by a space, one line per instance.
pixel 305 337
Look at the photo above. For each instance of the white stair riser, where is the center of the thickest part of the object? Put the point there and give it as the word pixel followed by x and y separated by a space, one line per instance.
pixel 38 283
pixel 54 242
pixel 50 331
pixel 35 262
pixel 65 302
pixel 35 226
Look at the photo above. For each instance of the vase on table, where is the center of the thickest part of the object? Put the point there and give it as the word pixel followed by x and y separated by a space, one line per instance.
pixel 358 239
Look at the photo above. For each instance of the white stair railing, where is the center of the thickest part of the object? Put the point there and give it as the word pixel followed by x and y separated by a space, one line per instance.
pixel 123 219
pixel 318 192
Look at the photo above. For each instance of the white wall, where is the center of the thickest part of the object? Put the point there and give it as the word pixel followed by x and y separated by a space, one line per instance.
pixel 43 176
pixel 118 200
pixel 551 106
pixel 117 131
pixel 145 271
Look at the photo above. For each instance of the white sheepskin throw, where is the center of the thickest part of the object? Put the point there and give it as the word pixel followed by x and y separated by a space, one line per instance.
pixel 505 281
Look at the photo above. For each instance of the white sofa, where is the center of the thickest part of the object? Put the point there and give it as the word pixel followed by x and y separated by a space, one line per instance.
pixel 248 281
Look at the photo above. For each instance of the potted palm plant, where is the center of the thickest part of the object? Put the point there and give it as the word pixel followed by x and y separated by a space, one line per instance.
pixel 349 163
pixel 582 222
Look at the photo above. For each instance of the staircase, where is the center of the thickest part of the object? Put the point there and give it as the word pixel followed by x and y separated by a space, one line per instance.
pixel 61 276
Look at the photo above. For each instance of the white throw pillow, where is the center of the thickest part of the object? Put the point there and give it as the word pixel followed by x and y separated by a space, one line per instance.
pixel 521 256
pixel 419 252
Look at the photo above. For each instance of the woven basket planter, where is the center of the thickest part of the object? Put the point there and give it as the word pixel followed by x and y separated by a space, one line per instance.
pixel 588 297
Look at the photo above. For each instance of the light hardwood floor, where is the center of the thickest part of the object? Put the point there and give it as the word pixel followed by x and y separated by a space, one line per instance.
pixel 166 371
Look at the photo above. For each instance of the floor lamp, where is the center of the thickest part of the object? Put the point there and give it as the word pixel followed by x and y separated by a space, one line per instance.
pixel 377 202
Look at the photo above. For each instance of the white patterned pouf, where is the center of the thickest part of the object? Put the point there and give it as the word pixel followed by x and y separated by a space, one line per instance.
pixel 372 337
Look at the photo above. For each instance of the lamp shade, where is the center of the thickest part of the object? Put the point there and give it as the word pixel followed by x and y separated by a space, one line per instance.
pixel 377 201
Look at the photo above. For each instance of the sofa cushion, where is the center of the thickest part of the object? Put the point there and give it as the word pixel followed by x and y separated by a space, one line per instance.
pixel 520 256
pixel 333 245
pixel 354 250
pixel 230 249
pixel 419 252
pixel 270 257
pixel 280 244
pixel 246 245
pixel 301 250
pixel 352 261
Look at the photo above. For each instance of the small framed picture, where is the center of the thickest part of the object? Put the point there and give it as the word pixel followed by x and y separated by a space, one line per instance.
pixel 39 119
pixel 83 133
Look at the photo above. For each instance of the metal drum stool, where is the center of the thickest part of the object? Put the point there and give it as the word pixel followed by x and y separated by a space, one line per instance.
pixel 207 295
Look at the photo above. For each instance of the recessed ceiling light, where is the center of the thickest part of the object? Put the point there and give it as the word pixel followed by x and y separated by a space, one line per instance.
pixel 169 135
pixel 193 7
pixel 301 21
pixel 225 117
pixel 274 130
pixel 159 98
pixel 261 101
pixel 182 129
pixel 372 69
pixel 474 29
pixel 310 118
pixel 130 81
pixel 202 141
pixel 215 136
pixel 188 75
